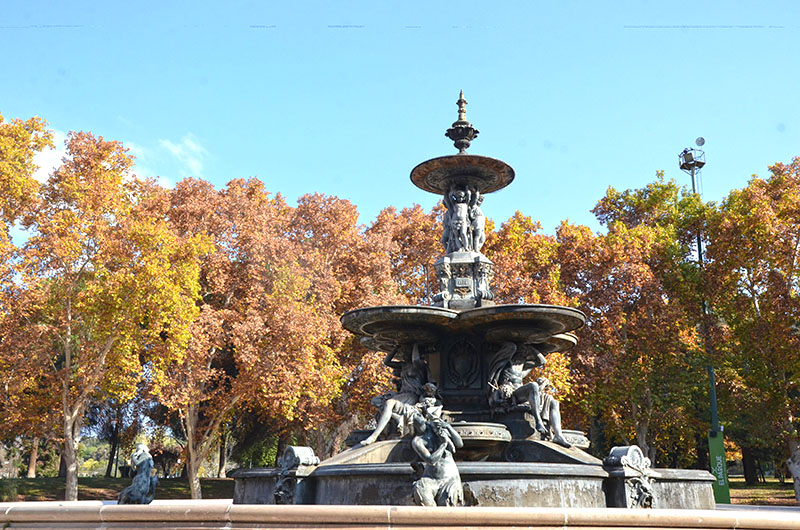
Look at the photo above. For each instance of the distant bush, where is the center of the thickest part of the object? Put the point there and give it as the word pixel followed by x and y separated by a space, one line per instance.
pixel 8 490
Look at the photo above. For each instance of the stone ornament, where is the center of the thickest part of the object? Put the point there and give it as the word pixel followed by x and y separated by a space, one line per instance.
pixel 639 487
pixel 464 280
pixel 484 276
pixel 293 457
pixel 630 456
pixel 143 488
pixel 462 132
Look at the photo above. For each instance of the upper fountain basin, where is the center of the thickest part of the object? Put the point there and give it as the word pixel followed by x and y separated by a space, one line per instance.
pixel 483 173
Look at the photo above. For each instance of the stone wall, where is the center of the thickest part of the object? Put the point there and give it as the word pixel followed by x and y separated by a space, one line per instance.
pixel 222 514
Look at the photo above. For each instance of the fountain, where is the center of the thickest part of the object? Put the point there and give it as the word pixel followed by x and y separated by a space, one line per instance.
pixel 460 366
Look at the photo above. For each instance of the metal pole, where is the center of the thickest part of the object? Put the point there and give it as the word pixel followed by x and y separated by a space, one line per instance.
pixel 704 308
pixel 716 440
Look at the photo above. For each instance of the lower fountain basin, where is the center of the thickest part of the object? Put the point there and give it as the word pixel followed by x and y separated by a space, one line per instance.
pixel 519 484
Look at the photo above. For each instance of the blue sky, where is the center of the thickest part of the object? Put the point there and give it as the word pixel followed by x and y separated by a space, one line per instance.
pixel 345 98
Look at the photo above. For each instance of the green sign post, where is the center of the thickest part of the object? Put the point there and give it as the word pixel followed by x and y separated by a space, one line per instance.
pixel 719 467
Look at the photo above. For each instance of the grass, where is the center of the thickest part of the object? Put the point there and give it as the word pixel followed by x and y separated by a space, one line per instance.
pixel 101 488
pixel 771 492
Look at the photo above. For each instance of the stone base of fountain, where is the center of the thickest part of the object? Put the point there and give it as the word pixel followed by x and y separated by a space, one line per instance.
pixel 380 473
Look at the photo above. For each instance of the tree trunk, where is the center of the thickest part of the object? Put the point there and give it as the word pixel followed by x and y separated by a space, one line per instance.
pixel 192 468
pixel 749 465
pixel 113 451
pixel 33 458
pixel 192 456
pixel 339 435
pixel 701 445
pixel 642 427
pixel 223 456
pixel 62 463
pixel 70 457
pixel 284 441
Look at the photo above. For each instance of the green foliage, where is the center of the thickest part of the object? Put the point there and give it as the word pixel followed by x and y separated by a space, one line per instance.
pixel 8 490
pixel 212 305
pixel 262 453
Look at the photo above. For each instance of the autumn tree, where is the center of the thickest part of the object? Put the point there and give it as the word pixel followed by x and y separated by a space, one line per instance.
pixel 526 271
pixel 101 279
pixel 639 363
pixel 19 142
pixel 25 402
pixel 267 338
pixel 414 235
pixel 355 262
pixel 753 281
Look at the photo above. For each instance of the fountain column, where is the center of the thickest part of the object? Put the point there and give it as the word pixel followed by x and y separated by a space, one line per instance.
pixel 464 273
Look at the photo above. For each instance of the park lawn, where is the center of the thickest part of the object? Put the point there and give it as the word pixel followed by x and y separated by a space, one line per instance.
pixel 771 492
pixel 102 488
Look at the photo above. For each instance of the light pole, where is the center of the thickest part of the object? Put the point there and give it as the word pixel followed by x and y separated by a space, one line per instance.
pixel 692 161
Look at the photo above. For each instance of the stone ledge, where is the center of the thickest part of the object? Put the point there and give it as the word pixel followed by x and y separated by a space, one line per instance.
pixel 223 514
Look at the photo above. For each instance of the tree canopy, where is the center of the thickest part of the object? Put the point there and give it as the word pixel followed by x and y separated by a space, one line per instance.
pixel 222 306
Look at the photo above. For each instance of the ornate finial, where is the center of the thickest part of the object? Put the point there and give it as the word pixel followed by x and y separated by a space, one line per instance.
pixel 462 132
pixel 462 107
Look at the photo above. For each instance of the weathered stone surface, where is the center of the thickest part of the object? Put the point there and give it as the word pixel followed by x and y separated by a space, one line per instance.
pixel 483 173
pixel 484 483
pixel 547 452
pixel 255 486
pixel 481 439
pixel 220 513
pixel 389 326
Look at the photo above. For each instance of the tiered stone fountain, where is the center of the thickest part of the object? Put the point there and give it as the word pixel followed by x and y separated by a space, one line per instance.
pixel 514 451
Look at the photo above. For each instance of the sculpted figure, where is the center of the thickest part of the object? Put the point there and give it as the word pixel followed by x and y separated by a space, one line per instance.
pixel 429 404
pixel 478 223
pixel 484 291
pixel 509 392
pixel 550 410
pixel 443 274
pixel 143 488
pixel 400 405
pixel 435 441
pixel 457 225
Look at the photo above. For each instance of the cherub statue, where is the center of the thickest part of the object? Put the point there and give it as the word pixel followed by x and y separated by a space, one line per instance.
pixel 429 404
pixel 457 225
pixel 435 441
pixel 477 222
